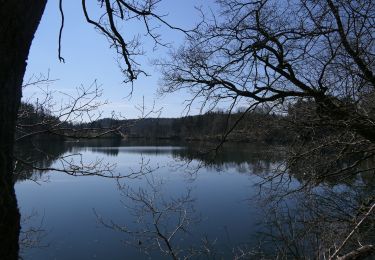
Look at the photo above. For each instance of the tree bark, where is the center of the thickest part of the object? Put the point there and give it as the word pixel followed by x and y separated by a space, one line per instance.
pixel 19 21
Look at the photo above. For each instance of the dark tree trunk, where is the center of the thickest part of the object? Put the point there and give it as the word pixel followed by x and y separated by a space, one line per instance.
pixel 19 21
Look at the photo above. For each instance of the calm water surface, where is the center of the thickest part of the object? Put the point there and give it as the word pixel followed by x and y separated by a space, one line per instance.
pixel 66 210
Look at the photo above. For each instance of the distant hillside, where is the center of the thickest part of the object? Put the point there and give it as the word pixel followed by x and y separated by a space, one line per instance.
pixel 257 126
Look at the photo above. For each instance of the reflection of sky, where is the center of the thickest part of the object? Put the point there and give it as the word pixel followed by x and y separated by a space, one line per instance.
pixel 141 149
pixel 67 204
pixel 88 56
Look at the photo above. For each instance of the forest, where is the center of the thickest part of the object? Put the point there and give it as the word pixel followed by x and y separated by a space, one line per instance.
pixel 284 119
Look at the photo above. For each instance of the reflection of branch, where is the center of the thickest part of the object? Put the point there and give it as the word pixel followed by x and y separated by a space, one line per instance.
pixel 308 223
pixel 93 168
pixel 160 221
pixel 31 237
pixel 144 168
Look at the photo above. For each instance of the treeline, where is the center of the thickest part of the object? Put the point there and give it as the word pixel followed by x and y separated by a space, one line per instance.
pixel 36 122
pixel 255 126
pixel 258 125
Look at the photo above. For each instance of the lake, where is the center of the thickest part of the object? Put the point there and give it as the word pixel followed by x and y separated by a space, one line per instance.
pixel 209 202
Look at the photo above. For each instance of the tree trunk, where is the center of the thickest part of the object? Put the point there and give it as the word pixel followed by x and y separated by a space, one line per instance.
pixel 19 21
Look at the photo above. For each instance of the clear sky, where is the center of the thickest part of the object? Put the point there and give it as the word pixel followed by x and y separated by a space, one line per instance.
pixel 88 56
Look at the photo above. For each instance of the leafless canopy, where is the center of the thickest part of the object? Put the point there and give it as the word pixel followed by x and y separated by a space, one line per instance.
pixel 119 14
pixel 314 58
pixel 273 51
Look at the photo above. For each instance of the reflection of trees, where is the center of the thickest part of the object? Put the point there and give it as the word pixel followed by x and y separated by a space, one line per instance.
pixel 315 55
pixel 107 146
pixel 310 212
pixel 321 206
pixel 310 222
pixel 41 153
pixel 161 222
pixel 32 232
pixel 314 224
pixel 244 158
pixel 73 118
pixel 320 195
pixel 347 170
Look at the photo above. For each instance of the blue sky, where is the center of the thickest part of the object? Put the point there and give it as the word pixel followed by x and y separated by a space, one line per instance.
pixel 88 57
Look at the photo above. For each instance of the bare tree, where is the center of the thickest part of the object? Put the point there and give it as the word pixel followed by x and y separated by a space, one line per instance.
pixel 273 52
pixel 312 61
pixel 19 22
pixel 69 118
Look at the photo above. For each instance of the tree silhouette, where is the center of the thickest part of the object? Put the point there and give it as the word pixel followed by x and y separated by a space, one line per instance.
pixel 20 20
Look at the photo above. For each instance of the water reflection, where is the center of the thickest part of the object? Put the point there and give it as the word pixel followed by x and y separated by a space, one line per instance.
pixel 68 202
pixel 246 157
pixel 162 223
pixel 229 223
pixel 34 235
